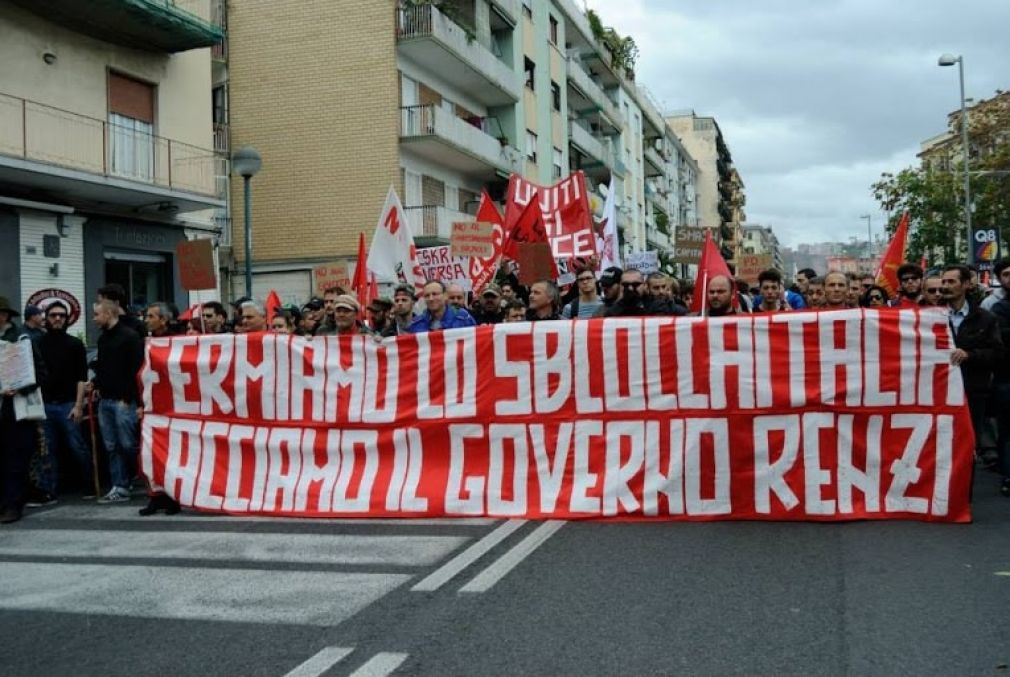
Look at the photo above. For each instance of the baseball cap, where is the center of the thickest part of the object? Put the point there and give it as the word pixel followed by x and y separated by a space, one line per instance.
pixel 347 301
pixel 611 276
pixel 32 311
pixel 491 289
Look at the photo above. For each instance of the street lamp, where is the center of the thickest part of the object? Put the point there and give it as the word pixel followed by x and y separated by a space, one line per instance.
pixel 950 60
pixel 247 162
pixel 869 235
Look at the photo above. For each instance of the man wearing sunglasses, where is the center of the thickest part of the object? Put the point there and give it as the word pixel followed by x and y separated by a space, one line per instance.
pixel 910 286
pixel 63 393
pixel 932 291
pixel 634 293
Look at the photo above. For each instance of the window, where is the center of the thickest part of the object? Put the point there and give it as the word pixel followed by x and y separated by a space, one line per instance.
pixel 557 163
pixel 554 31
pixel 131 128
pixel 556 95
pixel 531 146
pixel 530 69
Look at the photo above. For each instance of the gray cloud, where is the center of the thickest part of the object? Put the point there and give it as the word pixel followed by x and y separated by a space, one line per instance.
pixel 816 99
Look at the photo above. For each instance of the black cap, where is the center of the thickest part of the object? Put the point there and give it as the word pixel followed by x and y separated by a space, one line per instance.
pixel 313 304
pixel 611 276
pixel 405 289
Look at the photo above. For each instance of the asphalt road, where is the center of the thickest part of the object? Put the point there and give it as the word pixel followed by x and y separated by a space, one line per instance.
pixel 95 590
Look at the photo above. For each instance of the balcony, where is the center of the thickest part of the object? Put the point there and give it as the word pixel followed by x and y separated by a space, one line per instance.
pixel 654 164
pixel 507 9
pixel 150 25
pixel 428 37
pixel 448 140
pixel 53 151
pixel 590 146
pixel 433 223
pixel 222 142
pixel 589 96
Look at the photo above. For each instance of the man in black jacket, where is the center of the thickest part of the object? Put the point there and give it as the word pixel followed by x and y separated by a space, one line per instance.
pixel 1001 379
pixel 67 365
pixel 120 355
pixel 978 347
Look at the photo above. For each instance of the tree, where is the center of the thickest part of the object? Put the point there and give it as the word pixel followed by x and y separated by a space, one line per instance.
pixel 933 194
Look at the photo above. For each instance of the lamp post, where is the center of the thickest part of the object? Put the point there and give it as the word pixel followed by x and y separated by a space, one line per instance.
pixel 869 235
pixel 246 162
pixel 950 60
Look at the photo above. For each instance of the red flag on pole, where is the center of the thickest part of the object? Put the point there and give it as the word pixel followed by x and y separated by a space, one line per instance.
pixel 272 303
pixel 483 271
pixel 712 264
pixel 359 283
pixel 894 256
pixel 373 288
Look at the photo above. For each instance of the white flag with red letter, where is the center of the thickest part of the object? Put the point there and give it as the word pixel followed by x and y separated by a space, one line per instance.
pixel 609 245
pixel 393 255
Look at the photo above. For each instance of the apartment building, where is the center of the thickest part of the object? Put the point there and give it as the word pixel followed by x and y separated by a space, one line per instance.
pixel 441 100
pixel 720 189
pixel 761 240
pixel 988 131
pixel 106 158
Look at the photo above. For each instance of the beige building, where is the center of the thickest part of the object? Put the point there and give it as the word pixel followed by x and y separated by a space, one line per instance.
pixel 720 188
pixel 106 158
pixel 761 240
pixel 343 99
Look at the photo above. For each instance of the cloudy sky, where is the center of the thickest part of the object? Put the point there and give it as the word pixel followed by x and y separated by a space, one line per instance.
pixel 816 97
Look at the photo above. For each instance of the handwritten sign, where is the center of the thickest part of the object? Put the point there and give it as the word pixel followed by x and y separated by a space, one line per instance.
pixel 472 238
pixel 196 264
pixel 687 243
pixel 17 365
pixel 329 275
pixel 751 265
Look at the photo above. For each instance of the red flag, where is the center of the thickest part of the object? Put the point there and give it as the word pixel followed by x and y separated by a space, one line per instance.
pixel 482 271
pixel 359 282
pixel 923 264
pixel 271 305
pixel 894 256
pixel 528 228
pixel 712 264
pixel 373 288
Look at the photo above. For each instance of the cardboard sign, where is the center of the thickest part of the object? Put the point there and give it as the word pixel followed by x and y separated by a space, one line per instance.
pixel 687 243
pixel 328 275
pixel 751 265
pixel 472 238
pixel 536 262
pixel 196 264
pixel 646 262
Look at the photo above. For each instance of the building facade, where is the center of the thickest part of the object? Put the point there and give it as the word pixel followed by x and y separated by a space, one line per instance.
pixel 440 100
pixel 720 189
pixel 761 240
pixel 106 148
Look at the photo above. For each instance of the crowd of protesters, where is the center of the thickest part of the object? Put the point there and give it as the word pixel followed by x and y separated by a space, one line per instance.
pixel 980 323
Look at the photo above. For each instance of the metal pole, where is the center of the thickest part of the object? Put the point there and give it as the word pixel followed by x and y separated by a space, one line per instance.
pixel 967 174
pixel 248 236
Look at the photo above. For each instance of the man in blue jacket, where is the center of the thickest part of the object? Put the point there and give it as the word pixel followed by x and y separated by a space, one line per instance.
pixel 438 314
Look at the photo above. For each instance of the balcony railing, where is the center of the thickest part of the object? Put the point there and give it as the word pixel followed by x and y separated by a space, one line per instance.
pixel 653 158
pixel 41 133
pixel 582 80
pixel 431 120
pixel 433 221
pixel 468 55
pixel 222 142
pixel 592 146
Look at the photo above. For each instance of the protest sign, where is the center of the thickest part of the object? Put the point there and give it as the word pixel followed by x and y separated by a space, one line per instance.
pixel 646 262
pixel 472 238
pixel 863 417
pixel 535 262
pixel 17 364
pixel 687 243
pixel 750 266
pixel 329 275
pixel 195 259
pixel 438 263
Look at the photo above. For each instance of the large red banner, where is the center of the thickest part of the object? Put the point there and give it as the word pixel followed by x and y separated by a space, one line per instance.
pixel 841 415
pixel 565 209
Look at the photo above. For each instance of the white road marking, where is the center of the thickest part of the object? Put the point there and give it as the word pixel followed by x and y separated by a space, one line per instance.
pixel 128 513
pixel 233 595
pixel 321 662
pixel 380 665
pixel 450 569
pixel 339 549
pixel 498 569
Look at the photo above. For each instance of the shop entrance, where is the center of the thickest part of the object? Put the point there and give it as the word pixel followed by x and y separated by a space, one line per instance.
pixel 145 277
